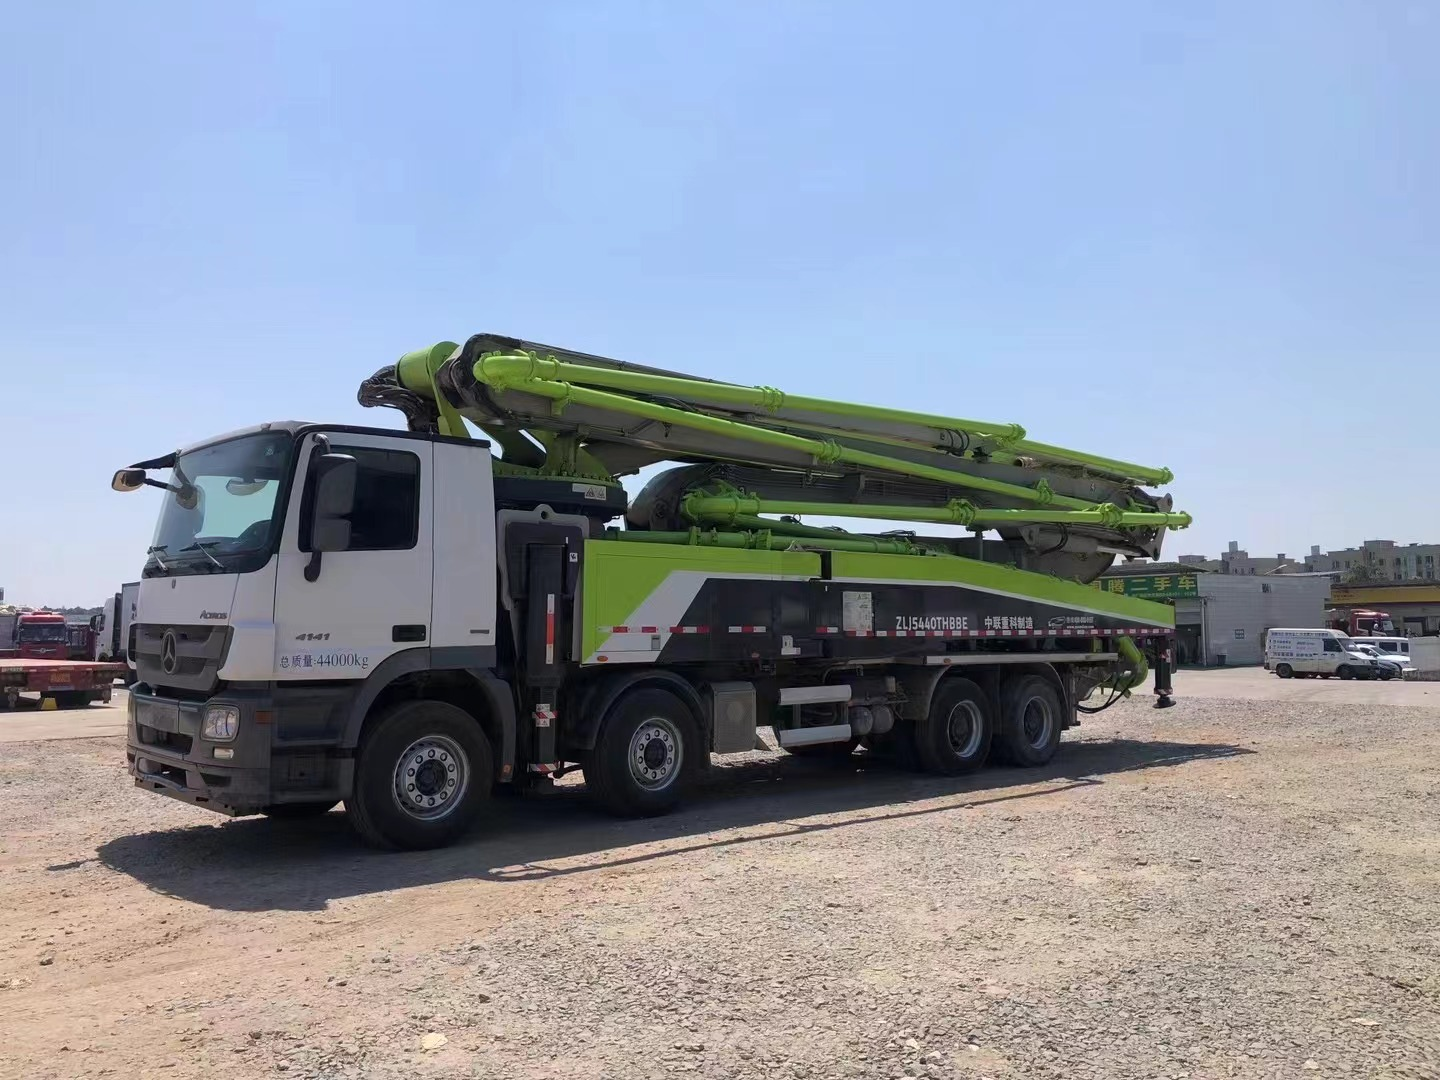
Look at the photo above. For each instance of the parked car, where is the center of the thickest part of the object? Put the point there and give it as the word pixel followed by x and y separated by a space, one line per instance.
pixel 1396 650
pixel 1385 667
pixel 1307 652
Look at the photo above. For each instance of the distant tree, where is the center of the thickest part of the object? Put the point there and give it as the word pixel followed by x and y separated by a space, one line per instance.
pixel 1361 575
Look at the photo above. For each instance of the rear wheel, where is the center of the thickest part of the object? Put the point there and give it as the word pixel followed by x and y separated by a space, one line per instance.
pixel 423 770
pixel 1284 670
pixel 1027 732
pixel 955 735
pixel 645 756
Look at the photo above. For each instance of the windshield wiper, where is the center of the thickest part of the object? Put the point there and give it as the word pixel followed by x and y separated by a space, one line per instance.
pixel 155 549
pixel 204 546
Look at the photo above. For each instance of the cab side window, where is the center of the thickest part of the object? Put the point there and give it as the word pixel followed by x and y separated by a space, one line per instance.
pixel 1331 645
pixel 387 501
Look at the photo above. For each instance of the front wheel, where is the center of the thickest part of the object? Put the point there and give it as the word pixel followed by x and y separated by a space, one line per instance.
pixel 1344 672
pixel 423 770
pixel 1284 670
pixel 954 737
pixel 645 756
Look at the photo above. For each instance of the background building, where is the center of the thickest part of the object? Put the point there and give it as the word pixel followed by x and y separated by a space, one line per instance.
pixel 1221 618
pixel 1373 560
pixel 1381 560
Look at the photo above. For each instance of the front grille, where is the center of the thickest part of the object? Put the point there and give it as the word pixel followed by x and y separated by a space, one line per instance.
pixel 168 740
pixel 196 655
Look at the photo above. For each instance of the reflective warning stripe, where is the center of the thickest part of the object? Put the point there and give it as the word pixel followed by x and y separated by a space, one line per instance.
pixel 1068 631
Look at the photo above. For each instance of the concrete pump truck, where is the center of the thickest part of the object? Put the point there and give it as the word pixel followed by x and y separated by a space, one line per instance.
pixel 404 619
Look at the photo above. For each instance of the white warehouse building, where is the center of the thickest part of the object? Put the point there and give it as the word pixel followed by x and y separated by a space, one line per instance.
pixel 1222 618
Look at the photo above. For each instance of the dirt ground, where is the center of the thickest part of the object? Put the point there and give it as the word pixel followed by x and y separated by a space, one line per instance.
pixel 1227 888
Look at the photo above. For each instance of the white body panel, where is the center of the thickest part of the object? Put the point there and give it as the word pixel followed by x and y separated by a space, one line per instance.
pixel 465 558
pixel 252 626
pixel 129 612
pixel 341 626
pixel 1312 652
pixel 109 613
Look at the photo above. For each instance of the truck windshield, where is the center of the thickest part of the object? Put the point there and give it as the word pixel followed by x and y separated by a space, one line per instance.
pixel 43 632
pixel 221 519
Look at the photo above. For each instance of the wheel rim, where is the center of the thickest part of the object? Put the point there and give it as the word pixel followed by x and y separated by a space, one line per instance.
pixel 431 777
pixel 965 728
pixel 656 754
pixel 1037 722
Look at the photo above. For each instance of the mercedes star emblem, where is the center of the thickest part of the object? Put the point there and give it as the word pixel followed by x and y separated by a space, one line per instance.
pixel 167 652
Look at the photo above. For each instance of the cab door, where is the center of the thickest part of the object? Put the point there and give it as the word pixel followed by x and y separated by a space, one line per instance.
pixel 372 599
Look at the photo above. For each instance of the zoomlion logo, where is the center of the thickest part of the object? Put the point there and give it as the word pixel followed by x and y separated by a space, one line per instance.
pixel 214 615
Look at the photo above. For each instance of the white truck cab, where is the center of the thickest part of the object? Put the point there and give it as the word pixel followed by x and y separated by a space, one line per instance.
pixel 1307 653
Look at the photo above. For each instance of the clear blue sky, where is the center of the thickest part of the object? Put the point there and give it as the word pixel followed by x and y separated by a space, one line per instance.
pixel 1205 236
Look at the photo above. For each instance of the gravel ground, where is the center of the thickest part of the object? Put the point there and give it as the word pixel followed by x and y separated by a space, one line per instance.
pixel 1222 889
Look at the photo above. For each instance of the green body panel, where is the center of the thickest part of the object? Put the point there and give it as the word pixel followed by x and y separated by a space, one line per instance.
pixel 994 578
pixel 619 577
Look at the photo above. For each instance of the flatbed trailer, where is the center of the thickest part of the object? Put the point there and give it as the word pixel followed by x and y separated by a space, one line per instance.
pixel 69 682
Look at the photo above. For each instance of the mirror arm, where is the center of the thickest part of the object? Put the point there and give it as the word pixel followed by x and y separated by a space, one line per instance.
pixel 312 568
pixel 163 486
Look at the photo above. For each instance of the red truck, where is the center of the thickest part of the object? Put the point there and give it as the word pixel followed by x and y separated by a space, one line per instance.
pixel 1359 622
pixel 37 661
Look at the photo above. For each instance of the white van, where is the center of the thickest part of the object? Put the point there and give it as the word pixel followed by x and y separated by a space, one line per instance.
pixel 1394 649
pixel 1310 653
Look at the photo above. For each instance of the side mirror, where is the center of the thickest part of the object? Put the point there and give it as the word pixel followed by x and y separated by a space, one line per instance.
pixel 333 476
pixel 128 480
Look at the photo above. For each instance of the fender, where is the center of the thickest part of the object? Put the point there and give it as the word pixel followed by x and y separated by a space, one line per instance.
pixel 475 663
pixel 591 706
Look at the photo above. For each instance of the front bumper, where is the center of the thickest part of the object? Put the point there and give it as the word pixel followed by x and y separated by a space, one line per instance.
pixel 168 756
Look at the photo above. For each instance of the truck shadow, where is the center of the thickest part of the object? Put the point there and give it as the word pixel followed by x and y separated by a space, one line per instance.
pixel 254 864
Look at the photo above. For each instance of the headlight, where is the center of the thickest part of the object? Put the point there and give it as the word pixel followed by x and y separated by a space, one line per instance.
pixel 221 723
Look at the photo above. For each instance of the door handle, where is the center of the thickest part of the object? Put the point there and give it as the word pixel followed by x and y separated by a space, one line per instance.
pixel 407 632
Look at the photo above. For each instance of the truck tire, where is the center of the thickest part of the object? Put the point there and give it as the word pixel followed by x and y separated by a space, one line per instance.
pixel 1027 732
pixel 1344 672
pixel 299 811
pixel 422 772
pixel 646 754
pixel 955 736
pixel 1284 670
